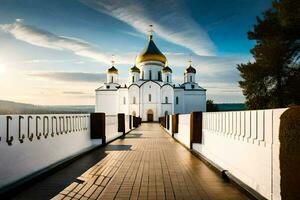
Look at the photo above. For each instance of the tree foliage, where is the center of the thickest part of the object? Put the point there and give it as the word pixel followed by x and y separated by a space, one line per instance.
pixel 273 79
pixel 210 106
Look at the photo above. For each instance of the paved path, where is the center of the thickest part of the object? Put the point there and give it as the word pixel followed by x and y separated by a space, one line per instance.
pixel 149 164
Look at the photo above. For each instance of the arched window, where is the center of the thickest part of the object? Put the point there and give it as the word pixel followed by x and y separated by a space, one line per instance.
pixel 191 79
pixel 166 99
pixel 177 100
pixel 134 100
pixel 133 79
pixel 124 100
pixel 150 75
pixel 112 79
pixel 143 75
pixel 149 97
pixel 167 79
pixel 159 75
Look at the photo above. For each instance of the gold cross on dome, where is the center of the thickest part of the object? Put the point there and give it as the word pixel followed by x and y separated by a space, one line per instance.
pixel 113 60
pixel 190 60
pixel 150 30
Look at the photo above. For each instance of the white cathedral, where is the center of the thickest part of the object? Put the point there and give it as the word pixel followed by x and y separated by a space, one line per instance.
pixel 150 92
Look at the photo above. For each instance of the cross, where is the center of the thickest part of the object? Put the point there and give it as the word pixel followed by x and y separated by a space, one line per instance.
pixel 113 60
pixel 190 60
pixel 150 31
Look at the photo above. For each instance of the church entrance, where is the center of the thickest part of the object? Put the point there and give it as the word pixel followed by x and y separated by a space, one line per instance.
pixel 150 116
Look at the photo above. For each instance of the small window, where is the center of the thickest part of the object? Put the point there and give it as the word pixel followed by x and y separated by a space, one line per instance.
pixel 191 79
pixel 133 100
pixel 143 75
pixel 193 86
pixel 112 79
pixel 107 87
pixel 149 97
pixel 124 100
pixel 166 99
pixel 177 100
pixel 167 79
pixel 150 75
pixel 159 75
pixel 133 79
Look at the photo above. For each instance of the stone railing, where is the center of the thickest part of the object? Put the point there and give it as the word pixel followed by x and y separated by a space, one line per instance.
pixel 243 145
pixel 32 144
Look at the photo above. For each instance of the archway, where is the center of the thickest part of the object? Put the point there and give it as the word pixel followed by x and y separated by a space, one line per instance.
pixel 150 115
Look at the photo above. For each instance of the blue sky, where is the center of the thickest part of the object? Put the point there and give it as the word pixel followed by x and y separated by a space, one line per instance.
pixel 56 52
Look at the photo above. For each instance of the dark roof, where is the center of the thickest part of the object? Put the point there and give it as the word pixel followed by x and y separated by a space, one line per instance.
pixel 167 69
pixel 190 69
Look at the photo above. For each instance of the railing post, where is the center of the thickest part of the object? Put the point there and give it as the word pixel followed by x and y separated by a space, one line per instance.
pixel 174 124
pixel 98 126
pixel 289 153
pixel 121 123
pixel 135 122
pixel 130 122
pixel 195 128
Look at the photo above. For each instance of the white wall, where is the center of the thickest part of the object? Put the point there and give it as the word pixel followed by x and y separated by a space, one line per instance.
pixel 246 143
pixel 194 101
pixel 70 137
pixel 183 134
pixel 104 98
pixel 111 127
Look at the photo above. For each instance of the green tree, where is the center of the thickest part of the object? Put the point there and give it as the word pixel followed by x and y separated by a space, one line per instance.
pixel 273 79
pixel 210 106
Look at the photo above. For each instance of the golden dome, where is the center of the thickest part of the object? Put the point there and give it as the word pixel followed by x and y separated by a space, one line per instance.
pixel 151 53
pixel 134 69
pixel 167 69
pixel 113 70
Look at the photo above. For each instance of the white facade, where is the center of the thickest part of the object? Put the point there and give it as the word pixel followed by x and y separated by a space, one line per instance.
pixel 150 92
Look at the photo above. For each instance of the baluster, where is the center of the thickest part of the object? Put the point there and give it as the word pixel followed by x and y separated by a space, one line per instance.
pixel 52 119
pixel 44 129
pixel 69 124
pixel 61 128
pixel 73 117
pixel 21 136
pixel 9 139
pixel 29 135
pixel 76 123
pixel 37 133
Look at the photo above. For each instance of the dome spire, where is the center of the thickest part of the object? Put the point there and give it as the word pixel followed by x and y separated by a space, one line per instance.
pixel 113 70
pixel 190 60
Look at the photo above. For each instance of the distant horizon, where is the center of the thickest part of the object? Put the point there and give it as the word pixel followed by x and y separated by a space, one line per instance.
pixel 51 55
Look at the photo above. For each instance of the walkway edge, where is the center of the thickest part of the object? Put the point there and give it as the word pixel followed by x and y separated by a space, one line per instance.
pixel 226 175
pixel 19 185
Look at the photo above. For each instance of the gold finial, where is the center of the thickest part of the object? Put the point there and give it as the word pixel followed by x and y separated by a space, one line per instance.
pixel 166 65
pixel 150 31
pixel 112 60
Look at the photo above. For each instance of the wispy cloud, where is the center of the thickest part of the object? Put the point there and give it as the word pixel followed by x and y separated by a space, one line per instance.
pixel 170 19
pixel 43 38
pixel 71 76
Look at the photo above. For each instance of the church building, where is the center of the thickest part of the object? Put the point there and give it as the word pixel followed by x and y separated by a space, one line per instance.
pixel 150 92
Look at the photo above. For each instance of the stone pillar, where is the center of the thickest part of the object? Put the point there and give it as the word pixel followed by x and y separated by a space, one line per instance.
pixel 121 123
pixel 195 128
pixel 98 126
pixel 289 157
pixel 174 124
pixel 130 122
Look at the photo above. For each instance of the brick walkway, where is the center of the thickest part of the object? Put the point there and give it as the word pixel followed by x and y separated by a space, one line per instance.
pixel 149 164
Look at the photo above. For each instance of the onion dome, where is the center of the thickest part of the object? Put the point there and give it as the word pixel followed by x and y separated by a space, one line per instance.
pixel 134 69
pixel 113 70
pixel 190 69
pixel 167 69
pixel 151 53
